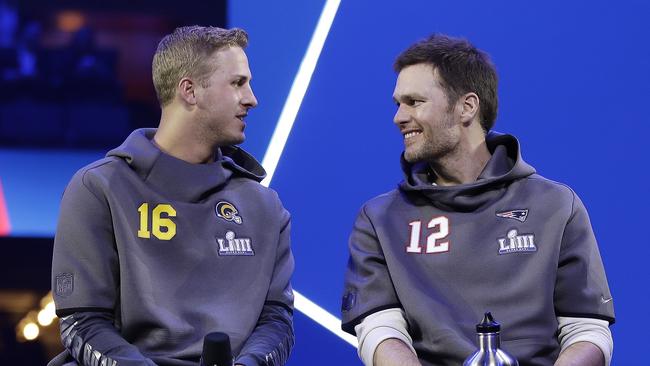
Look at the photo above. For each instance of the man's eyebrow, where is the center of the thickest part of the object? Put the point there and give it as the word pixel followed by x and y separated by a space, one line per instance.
pixel 241 76
pixel 411 96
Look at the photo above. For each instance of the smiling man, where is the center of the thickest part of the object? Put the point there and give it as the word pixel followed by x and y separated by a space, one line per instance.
pixel 472 228
pixel 171 236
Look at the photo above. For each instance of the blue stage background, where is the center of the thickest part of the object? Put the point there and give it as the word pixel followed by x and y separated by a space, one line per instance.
pixel 574 84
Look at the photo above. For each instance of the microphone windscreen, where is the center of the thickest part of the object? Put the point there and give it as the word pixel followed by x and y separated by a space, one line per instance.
pixel 216 350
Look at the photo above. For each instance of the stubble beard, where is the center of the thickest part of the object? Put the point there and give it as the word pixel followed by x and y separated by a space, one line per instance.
pixel 433 148
pixel 216 133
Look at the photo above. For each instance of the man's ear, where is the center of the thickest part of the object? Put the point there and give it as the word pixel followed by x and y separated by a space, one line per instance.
pixel 470 107
pixel 186 89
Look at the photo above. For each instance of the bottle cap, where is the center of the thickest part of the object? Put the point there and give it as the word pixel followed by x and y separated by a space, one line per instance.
pixel 488 325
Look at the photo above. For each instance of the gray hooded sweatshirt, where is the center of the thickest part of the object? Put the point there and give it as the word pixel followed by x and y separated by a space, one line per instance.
pixel 513 243
pixel 152 253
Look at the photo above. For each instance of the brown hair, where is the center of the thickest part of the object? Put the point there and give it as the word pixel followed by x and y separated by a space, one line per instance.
pixel 463 69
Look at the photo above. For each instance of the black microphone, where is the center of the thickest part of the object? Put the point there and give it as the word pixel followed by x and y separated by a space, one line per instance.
pixel 216 350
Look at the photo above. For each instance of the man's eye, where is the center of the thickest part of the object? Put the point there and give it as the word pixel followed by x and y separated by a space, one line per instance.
pixel 412 102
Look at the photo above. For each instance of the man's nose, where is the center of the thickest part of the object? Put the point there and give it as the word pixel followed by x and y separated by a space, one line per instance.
pixel 249 100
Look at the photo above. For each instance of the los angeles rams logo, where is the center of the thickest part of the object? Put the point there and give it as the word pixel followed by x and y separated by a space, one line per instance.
pixel 228 212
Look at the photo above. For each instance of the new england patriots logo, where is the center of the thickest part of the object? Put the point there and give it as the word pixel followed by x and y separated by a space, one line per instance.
pixel 228 212
pixel 519 215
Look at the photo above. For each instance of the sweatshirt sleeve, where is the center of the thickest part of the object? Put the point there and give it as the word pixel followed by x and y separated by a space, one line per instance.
pixel 84 264
pixel 272 339
pixel 85 278
pixel 581 288
pixel 91 339
pixel 368 286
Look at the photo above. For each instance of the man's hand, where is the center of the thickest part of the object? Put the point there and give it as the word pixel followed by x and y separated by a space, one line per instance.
pixel 393 352
pixel 582 354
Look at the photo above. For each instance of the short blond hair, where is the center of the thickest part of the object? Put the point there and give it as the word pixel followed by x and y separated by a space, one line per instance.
pixel 185 52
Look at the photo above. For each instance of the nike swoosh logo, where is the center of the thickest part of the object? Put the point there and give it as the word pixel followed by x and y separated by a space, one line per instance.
pixel 604 300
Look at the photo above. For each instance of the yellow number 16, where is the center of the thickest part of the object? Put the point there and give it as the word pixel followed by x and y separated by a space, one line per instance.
pixel 158 223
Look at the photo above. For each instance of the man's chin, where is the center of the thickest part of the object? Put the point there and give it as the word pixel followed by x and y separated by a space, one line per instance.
pixel 238 139
pixel 413 157
pixel 232 141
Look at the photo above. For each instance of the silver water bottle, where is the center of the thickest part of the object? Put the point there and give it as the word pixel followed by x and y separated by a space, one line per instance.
pixel 489 352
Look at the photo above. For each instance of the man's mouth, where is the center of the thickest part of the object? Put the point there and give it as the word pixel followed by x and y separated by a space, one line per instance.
pixel 411 134
pixel 241 116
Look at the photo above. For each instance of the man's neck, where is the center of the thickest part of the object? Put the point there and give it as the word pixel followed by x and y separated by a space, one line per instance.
pixel 174 138
pixel 463 166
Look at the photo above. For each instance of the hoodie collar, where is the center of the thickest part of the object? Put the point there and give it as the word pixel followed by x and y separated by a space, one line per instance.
pixel 178 179
pixel 505 165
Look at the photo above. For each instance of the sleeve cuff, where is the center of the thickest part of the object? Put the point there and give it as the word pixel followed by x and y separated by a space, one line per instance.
pixel 246 360
pixel 595 331
pixel 378 327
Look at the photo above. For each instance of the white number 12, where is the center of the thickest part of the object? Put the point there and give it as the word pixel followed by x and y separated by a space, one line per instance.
pixel 440 224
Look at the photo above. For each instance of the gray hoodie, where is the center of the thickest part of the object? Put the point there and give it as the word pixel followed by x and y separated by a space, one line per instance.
pixel 172 251
pixel 513 243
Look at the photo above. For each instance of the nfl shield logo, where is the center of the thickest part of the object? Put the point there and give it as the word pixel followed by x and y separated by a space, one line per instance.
pixel 64 284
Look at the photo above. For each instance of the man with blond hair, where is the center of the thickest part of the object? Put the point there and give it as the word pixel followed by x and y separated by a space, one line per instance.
pixel 171 236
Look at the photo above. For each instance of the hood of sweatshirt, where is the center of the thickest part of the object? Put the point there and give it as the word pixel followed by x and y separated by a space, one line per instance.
pixel 179 179
pixel 504 167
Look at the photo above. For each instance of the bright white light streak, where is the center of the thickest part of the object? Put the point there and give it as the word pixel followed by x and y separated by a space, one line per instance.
pixel 322 317
pixel 279 139
pixel 298 90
